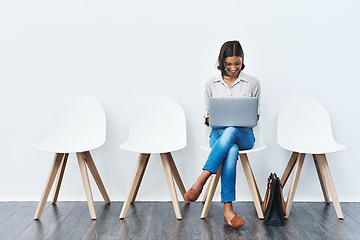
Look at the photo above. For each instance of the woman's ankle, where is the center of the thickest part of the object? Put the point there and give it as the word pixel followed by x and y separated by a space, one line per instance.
pixel 201 180
pixel 228 206
pixel 197 186
pixel 228 210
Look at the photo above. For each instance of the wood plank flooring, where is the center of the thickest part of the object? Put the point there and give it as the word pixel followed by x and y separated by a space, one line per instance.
pixel 156 220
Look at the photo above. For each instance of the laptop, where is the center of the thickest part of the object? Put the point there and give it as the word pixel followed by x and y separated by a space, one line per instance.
pixel 233 112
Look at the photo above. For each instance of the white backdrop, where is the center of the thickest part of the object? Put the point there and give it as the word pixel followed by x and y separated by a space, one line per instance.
pixel 123 51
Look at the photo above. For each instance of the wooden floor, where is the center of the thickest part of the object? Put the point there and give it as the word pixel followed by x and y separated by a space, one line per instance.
pixel 156 220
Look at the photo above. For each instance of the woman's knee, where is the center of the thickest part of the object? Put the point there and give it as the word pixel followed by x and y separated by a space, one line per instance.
pixel 248 143
pixel 229 133
pixel 230 130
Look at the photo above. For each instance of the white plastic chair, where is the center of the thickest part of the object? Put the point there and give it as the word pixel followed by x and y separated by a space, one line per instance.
pixel 209 194
pixel 304 127
pixel 157 126
pixel 78 125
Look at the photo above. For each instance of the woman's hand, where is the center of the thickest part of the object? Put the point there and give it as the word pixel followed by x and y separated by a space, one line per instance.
pixel 207 121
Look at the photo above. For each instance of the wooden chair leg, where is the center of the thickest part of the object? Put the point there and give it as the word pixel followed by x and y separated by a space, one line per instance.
pixel 208 188
pixel 96 176
pixel 294 182
pixel 214 180
pixel 252 184
pixel 322 180
pixel 60 177
pixel 139 182
pixel 135 182
pixel 137 187
pixel 176 176
pixel 86 182
pixel 171 185
pixel 289 168
pixel 49 182
pixel 256 186
pixel 323 164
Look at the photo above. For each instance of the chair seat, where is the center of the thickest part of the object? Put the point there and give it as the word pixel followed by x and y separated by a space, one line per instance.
pixel 150 148
pixel 78 124
pixel 304 126
pixel 70 146
pixel 254 149
pixel 312 147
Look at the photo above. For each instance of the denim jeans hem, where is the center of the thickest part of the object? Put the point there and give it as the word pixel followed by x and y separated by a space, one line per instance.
pixel 210 170
pixel 227 200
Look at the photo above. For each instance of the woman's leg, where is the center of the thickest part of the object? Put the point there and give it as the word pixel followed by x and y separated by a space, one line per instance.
pixel 221 140
pixel 228 175
pixel 220 148
pixel 228 181
pixel 244 140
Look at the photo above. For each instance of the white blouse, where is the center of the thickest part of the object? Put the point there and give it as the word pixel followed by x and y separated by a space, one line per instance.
pixel 244 86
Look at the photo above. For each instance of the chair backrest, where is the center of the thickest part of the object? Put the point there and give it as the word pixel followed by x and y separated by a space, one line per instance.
pixel 304 125
pixel 158 125
pixel 259 144
pixel 77 124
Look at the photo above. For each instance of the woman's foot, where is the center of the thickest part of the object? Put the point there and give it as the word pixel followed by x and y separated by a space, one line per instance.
pixel 194 192
pixel 233 219
pixel 235 222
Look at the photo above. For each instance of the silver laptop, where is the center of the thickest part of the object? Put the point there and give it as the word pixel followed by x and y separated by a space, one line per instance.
pixel 233 112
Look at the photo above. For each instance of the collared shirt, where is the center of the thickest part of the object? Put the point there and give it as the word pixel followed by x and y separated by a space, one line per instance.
pixel 244 86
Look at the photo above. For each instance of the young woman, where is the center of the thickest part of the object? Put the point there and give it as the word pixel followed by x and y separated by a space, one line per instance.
pixel 226 142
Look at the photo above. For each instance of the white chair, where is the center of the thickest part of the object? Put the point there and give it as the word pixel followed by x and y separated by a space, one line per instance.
pixel 157 126
pixel 209 194
pixel 77 126
pixel 304 127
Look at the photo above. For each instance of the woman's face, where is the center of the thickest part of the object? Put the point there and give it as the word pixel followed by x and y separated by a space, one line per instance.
pixel 233 65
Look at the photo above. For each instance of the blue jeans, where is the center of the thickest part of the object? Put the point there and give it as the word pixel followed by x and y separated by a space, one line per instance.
pixel 225 144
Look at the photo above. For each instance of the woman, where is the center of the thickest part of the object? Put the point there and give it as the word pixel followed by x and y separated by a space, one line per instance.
pixel 226 142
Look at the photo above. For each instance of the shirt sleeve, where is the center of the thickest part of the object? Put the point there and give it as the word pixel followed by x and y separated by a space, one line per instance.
pixel 256 93
pixel 207 96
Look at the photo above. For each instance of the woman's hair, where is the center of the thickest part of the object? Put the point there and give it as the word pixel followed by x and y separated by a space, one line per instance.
pixel 229 49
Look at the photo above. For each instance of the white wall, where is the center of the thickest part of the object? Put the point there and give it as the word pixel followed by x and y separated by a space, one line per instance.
pixel 123 51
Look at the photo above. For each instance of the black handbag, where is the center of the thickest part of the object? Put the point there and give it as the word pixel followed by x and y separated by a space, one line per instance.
pixel 274 205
